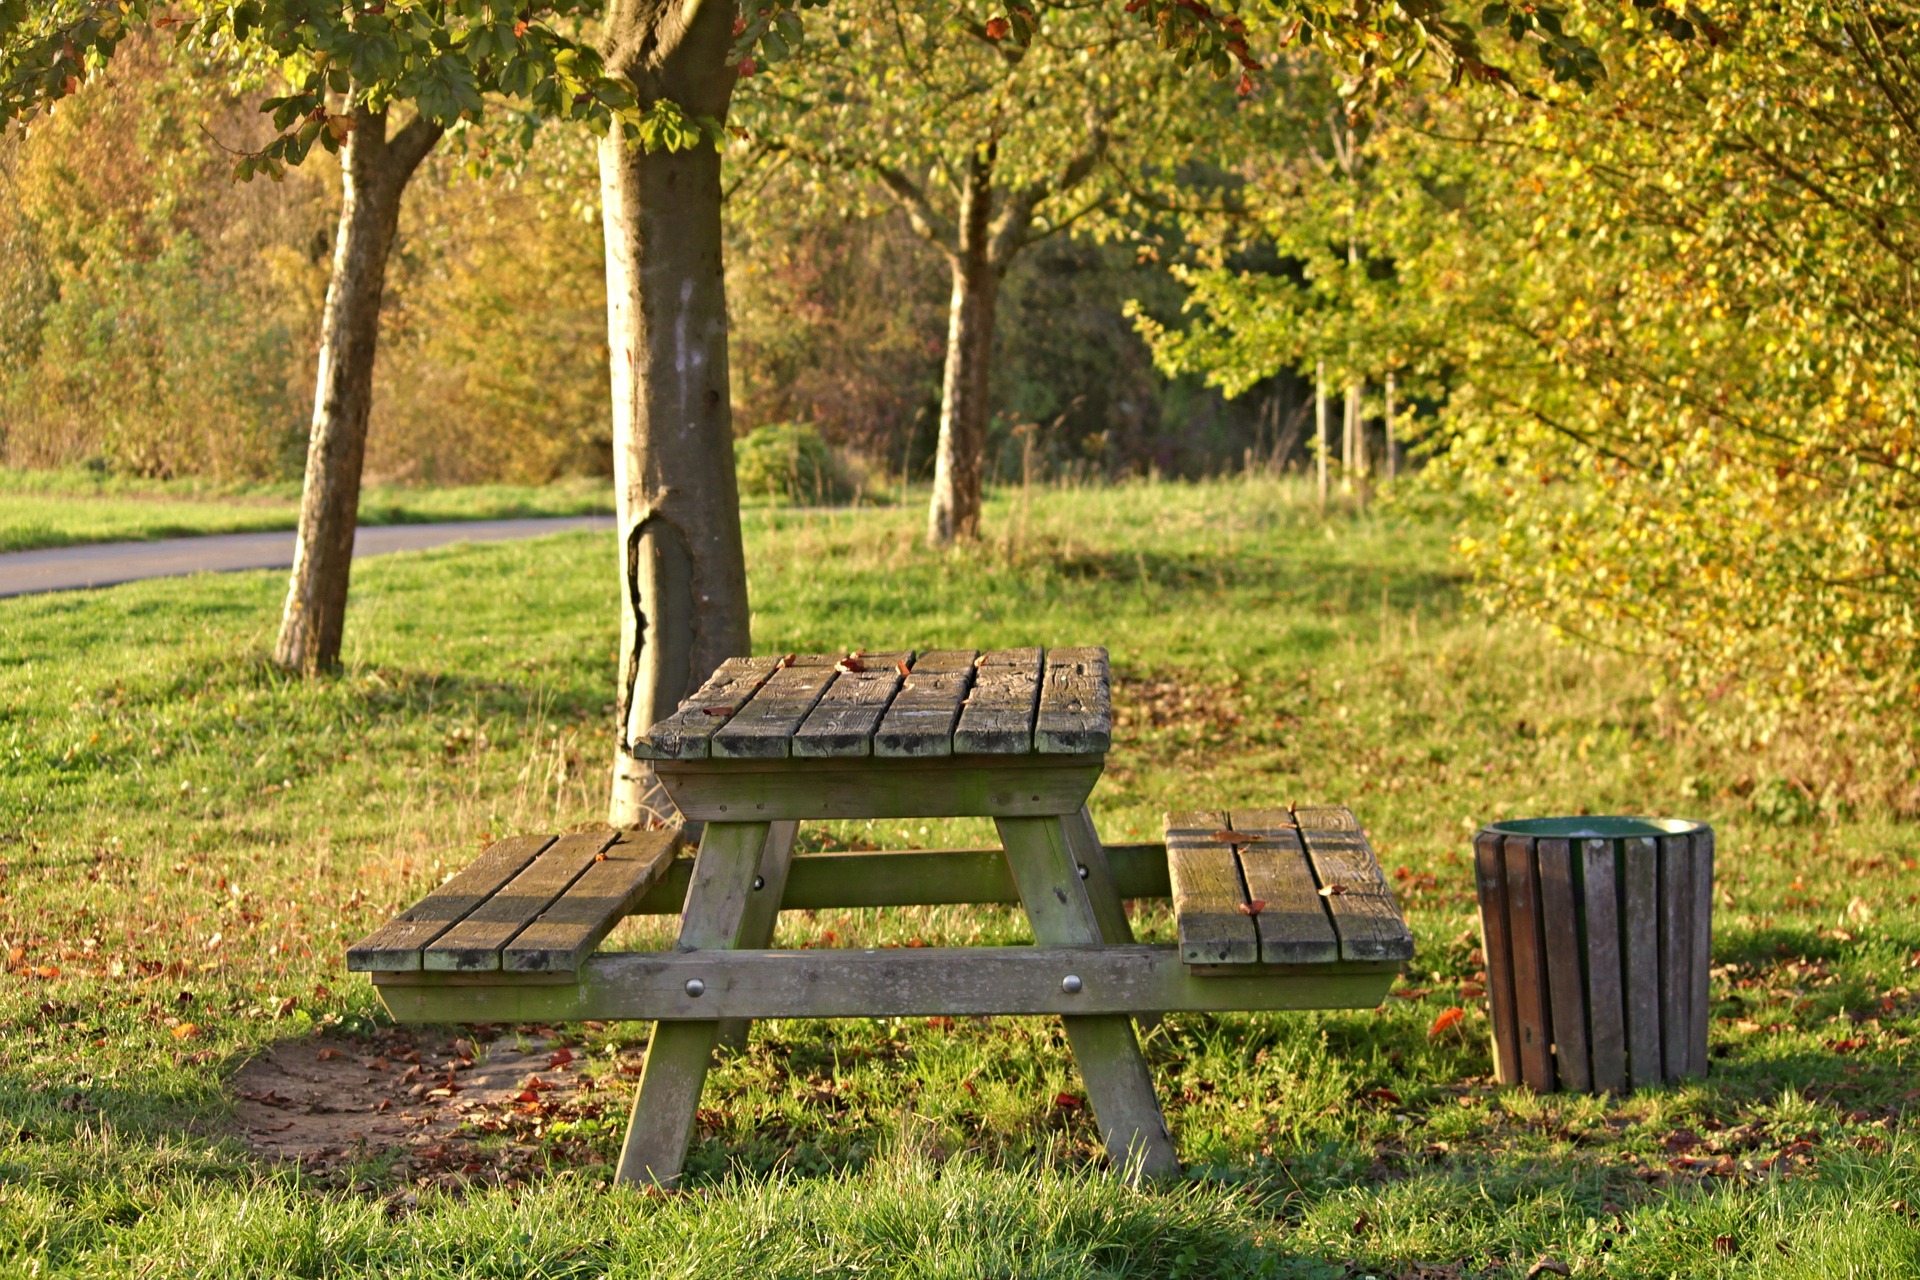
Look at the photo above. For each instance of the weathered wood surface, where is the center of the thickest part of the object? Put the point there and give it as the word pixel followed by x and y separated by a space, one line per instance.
pixel 678 1054
pixel 884 983
pixel 997 716
pixel 1676 956
pixel 1639 872
pixel 763 729
pixel 1369 925
pixel 1096 872
pixel 1075 714
pixel 1701 1005
pixel 843 722
pixel 762 913
pixel 1606 1009
pixel 1209 900
pixel 687 733
pixel 396 945
pixel 1490 872
pixel 965 786
pixel 1529 966
pixel 563 935
pixel 1293 923
pixel 476 942
pixel 919 724
pixel 1566 989
pixel 1119 1086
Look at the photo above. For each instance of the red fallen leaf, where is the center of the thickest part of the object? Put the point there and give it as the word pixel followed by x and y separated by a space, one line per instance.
pixel 1361 1224
pixel 1332 890
pixel 785 662
pixel 186 1031
pixel 971 1091
pixel 942 1023
pixel 1448 1019
pixel 1725 1244
pixel 1067 1102
pixel 851 663
pixel 915 942
pixel 1848 1045
pixel 15 956
pixel 1385 1095
pixel 430 1153
pixel 717 711
pixel 1411 993
pixel 1253 908
pixel 328 1055
pixel 527 1095
pixel 1224 836
pixel 559 1058
pixel 901 667
pixel 1472 991
pixel 537 1085
pixel 998 28
pixel 45 971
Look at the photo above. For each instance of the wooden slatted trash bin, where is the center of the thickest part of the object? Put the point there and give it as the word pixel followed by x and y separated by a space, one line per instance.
pixel 1597 934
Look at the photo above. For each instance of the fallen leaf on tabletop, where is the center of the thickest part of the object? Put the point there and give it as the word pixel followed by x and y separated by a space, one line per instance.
pixel 1332 890
pixel 1253 908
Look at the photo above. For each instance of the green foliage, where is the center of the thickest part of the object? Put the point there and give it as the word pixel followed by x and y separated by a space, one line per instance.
pixel 791 461
pixel 1675 328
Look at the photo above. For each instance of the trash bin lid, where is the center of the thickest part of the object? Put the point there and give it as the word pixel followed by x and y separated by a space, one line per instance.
pixel 1608 827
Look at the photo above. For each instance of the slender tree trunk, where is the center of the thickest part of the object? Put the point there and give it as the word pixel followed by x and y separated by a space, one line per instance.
pixel 1393 468
pixel 1322 428
pixel 955 510
pixel 374 172
pixel 683 577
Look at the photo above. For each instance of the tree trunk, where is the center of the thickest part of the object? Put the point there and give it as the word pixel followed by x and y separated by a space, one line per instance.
pixel 683 576
pixel 1323 443
pixel 955 510
pixel 373 176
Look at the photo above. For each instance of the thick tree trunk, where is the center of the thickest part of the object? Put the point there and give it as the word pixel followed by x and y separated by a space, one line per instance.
pixel 955 510
pixel 683 577
pixel 374 172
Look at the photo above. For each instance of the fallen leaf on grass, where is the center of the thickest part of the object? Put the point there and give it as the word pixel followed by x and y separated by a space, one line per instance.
pixel 1067 1102
pixel 1446 1021
pixel 15 956
pixel 1411 993
pixel 1253 908
pixel 559 1058
pixel 1548 1267
pixel 328 1055
pixel 1360 1225
pixel 1725 1244
pixel 186 1031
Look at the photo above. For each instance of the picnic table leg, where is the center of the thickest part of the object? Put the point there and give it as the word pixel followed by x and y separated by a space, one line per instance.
pixel 762 914
pixel 1040 854
pixel 678 1054
pixel 1088 850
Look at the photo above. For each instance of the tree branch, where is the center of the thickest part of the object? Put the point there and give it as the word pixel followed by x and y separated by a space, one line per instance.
pixel 1012 230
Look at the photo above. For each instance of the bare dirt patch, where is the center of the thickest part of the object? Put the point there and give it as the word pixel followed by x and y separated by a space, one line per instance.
pixel 432 1109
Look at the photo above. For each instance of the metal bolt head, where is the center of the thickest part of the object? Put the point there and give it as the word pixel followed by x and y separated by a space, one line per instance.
pixel 759 883
pixel 1071 984
pixel 695 987
pixel 1083 872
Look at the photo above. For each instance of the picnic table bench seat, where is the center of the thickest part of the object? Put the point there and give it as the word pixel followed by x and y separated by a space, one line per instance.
pixel 1265 887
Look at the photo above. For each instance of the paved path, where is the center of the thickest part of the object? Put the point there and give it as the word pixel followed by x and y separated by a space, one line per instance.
pixel 106 563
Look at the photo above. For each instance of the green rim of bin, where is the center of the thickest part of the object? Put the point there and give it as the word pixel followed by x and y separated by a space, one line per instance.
pixel 1608 827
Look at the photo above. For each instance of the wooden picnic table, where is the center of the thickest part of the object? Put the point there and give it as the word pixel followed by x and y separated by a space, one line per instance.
pixel 1276 908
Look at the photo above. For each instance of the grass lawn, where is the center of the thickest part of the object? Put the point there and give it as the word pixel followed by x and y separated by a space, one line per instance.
pixel 188 840
pixel 67 507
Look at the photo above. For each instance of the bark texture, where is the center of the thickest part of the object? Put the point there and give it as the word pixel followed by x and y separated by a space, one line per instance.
pixel 683 580
pixel 955 510
pixel 374 172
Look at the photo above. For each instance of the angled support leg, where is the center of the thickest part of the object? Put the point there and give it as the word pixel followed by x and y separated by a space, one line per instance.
pixel 1084 840
pixel 679 1052
pixel 762 914
pixel 1039 852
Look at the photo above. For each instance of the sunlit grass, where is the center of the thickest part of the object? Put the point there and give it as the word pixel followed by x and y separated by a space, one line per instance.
pixel 189 839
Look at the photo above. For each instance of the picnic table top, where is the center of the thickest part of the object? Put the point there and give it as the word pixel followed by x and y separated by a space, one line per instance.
pixel 893 705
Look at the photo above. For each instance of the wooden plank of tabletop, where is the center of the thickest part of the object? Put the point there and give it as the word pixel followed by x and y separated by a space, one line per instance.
pixel 764 727
pixel 1364 915
pixel 563 935
pixel 997 717
pixel 1566 993
pixel 1490 872
pixel 395 946
pixel 1209 902
pixel 1293 923
pixel 1640 943
pixel 1529 966
pixel 476 942
pixel 1076 706
pixel 920 721
pixel 686 734
pixel 1606 1012
pixel 843 722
